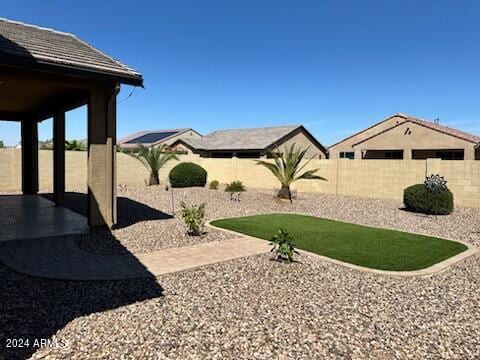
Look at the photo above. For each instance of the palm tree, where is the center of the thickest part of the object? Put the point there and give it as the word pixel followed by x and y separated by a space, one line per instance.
pixel 154 158
pixel 287 168
pixel 75 145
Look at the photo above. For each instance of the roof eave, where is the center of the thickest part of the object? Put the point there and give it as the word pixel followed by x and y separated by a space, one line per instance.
pixel 413 121
pixel 38 65
pixel 368 128
pixel 309 135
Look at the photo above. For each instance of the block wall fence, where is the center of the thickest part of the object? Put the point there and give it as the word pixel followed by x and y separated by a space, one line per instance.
pixel 382 179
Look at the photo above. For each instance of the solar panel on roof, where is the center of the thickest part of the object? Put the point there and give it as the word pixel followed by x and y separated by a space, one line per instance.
pixel 151 137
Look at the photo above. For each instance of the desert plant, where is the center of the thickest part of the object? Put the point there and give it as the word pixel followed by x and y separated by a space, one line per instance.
pixel 187 174
pixel 235 188
pixel 431 199
pixel 287 168
pixel 436 184
pixel 154 158
pixel 194 217
pixel 213 185
pixel 283 246
pixel 75 145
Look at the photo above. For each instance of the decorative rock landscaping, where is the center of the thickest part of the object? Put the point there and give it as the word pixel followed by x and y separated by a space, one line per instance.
pixel 253 307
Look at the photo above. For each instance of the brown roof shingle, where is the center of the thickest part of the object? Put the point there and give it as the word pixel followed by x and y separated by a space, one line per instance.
pixel 247 139
pixel 242 139
pixel 25 43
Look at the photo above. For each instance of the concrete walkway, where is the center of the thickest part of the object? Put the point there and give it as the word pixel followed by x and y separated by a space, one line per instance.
pixel 60 258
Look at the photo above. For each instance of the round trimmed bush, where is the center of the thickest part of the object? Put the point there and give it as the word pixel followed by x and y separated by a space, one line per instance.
pixel 417 198
pixel 187 174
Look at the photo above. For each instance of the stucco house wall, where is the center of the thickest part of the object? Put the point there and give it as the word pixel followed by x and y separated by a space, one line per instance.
pixel 346 145
pixel 190 134
pixel 300 138
pixel 411 136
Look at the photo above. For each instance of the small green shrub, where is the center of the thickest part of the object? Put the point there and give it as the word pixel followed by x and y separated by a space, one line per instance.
pixel 187 174
pixel 194 217
pixel 283 246
pixel 213 185
pixel 235 188
pixel 418 198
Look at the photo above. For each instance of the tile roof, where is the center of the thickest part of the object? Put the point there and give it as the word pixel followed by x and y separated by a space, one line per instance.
pixel 368 128
pixel 446 130
pixel 31 44
pixel 441 128
pixel 242 139
pixel 129 141
pixel 429 124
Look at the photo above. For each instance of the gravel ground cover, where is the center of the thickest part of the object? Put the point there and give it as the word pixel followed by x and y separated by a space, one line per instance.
pixel 137 235
pixel 256 308
pixel 253 307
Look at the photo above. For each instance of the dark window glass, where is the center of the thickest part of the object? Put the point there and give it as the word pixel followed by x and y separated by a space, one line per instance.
pixel 394 155
pixel 450 155
pixel 248 155
pixel 222 155
pixel 347 155
pixel 151 137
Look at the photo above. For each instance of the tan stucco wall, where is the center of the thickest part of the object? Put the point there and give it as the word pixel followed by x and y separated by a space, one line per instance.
pixel 191 134
pixel 347 144
pixel 301 140
pixel 186 135
pixel 384 179
pixel 410 136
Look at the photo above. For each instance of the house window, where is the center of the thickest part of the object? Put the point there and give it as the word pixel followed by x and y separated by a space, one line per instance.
pixel 347 155
pixel 444 154
pixel 450 155
pixel 382 154
pixel 222 155
pixel 248 155
pixel 396 155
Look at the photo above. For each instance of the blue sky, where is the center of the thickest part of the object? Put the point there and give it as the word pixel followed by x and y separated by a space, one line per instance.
pixel 334 66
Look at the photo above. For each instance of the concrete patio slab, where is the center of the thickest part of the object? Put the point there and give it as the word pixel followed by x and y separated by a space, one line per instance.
pixel 33 216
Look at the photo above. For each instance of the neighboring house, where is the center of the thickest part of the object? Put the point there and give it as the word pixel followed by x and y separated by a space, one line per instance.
pixel 158 137
pixel 253 143
pixel 406 137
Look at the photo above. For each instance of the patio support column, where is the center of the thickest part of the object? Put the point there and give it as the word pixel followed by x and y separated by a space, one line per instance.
pixel 102 201
pixel 29 157
pixel 59 158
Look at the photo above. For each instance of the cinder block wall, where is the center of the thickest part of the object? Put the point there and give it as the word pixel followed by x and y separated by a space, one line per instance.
pixel 383 179
pixel 129 170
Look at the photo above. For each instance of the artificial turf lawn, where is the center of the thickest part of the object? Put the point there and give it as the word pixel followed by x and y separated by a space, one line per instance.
pixel 356 244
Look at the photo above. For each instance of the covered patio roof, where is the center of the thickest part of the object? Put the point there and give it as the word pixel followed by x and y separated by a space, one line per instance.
pixel 43 74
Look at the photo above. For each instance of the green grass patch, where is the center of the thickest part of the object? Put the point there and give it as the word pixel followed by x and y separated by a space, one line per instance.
pixel 356 244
